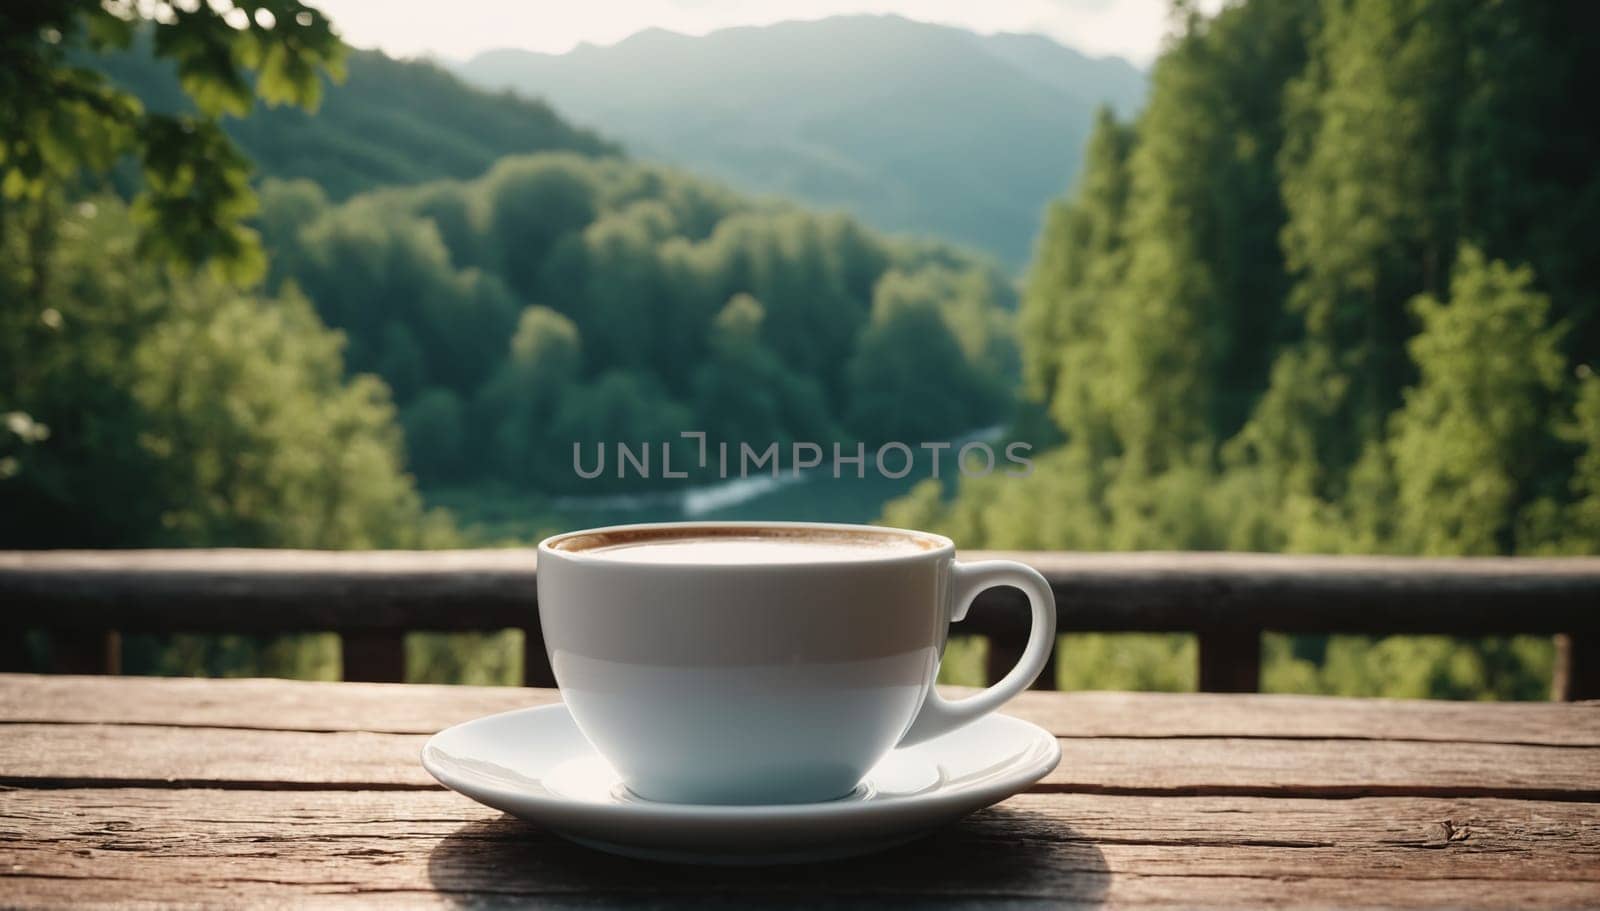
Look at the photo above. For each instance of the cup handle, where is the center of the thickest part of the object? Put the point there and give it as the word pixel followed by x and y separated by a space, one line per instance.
pixel 938 714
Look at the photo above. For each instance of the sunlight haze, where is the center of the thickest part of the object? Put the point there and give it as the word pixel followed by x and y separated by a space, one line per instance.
pixel 1128 28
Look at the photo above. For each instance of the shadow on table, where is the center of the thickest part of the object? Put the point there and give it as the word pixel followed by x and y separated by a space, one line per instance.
pixel 998 857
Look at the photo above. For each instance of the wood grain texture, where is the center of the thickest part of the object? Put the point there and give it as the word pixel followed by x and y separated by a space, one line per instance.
pixel 56 755
pixel 320 800
pixel 152 756
pixel 284 590
pixel 261 703
pixel 131 847
pixel 424 709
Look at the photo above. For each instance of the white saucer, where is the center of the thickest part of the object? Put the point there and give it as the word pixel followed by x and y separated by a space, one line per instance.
pixel 533 763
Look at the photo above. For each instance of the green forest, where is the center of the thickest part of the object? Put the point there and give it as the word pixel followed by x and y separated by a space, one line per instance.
pixel 560 300
pixel 1336 289
pixel 560 297
pixel 385 122
pixel 1333 289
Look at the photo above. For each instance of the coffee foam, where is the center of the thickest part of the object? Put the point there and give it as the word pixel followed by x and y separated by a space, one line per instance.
pixel 743 545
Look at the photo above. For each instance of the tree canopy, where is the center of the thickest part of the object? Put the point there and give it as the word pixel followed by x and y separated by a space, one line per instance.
pixel 146 402
pixel 562 299
pixel 1332 290
pixel 63 120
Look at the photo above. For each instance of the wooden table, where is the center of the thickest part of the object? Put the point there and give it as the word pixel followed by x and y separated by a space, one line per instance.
pixel 130 791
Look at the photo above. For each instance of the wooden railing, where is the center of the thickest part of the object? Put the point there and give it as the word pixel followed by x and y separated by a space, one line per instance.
pixel 84 599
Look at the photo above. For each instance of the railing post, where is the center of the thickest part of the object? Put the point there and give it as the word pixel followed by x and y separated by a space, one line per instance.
pixel 1230 661
pixel 86 652
pixel 1003 654
pixel 535 662
pixel 374 656
pixel 14 657
pixel 1577 667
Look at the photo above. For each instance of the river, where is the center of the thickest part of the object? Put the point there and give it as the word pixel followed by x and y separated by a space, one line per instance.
pixel 493 517
pixel 815 495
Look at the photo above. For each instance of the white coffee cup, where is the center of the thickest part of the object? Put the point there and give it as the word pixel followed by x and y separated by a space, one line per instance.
pixel 764 662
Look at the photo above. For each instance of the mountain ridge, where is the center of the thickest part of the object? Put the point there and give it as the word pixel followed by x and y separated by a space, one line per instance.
pixel 913 127
pixel 658 32
pixel 390 122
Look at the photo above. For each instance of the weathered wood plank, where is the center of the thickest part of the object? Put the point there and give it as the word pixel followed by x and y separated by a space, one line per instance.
pixel 281 590
pixel 55 755
pixel 1185 591
pixel 263 704
pixel 68 755
pixel 142 846
pixel 1079 891
pixel 366 827
pixel 1324 768
pixel 263 591
pixel 423 709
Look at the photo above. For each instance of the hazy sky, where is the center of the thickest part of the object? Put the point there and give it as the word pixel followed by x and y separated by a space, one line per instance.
pixel 460 28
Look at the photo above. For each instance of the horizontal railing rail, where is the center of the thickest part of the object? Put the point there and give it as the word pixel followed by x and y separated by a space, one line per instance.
pixel 373 598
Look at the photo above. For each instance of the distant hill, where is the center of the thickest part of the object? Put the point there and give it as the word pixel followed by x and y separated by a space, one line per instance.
pixel 390 122
pixel 911 126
